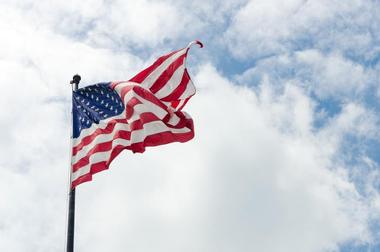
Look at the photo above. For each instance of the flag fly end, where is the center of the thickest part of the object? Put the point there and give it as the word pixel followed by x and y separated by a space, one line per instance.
pixel 199 43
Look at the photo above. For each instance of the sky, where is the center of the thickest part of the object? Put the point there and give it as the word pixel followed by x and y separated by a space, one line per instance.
pixel 285 157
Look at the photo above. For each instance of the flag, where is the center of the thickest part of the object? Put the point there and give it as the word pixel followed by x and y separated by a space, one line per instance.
pixel 144 111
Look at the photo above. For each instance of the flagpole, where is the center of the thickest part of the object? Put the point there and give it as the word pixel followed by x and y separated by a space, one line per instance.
pixel 71 213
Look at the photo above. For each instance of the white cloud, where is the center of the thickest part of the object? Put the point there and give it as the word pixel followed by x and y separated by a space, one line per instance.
pixel 257 177
pixel 122 25
pixel 354 119
pixel 264 28
pixel 140 23
pixel 244 184
pixel 333 74
pixel 117 24
pixel 325 75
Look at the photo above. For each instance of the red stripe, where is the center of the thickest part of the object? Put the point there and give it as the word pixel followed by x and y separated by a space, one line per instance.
pixel 98 167
pixel 106 146
pixel 183 105
pixel 129 112
pixel 115 83
pixel 136 125
pixel 182 123
pixel 129 108
pixel 174 98
pixel 174 104
pixel 101 147
pixel 84 178
pixel 89 138
pixel 167 74
pixel 199 43
pixel 143 93
pixel 144 118
pixel 140 77
pixel 176 94
pixel 150 141
pixel 161 139
pixel 147 117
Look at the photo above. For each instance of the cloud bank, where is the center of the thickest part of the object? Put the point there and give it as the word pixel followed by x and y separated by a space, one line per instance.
pixel 285 156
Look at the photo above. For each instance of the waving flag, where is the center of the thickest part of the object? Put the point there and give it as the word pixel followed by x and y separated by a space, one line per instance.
pixel 144 111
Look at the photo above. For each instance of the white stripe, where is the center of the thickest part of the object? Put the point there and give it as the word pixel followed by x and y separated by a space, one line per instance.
pixel 172 84
pixel 145 106
pixel 174 120
pixel 120 86
pixel 157 110
pixel 149 106
pixel 189 91
pixel 187 116
pixel 180 104
pixel 153 76
pixel 136 137
pixel 102 125
pixel 151 128
pixel 102 138
pixel 99 157
pixel 167 104
pixel 138 110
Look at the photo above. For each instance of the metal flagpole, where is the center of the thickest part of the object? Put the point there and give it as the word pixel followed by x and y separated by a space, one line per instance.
pixel 71 213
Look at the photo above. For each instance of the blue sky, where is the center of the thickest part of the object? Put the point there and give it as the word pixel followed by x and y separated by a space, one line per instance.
pixel 286 153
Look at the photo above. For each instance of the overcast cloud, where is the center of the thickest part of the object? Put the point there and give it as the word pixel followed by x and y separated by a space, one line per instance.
pixel 285 157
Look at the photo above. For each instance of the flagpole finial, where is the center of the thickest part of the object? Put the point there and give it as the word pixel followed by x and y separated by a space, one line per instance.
pixel 75 81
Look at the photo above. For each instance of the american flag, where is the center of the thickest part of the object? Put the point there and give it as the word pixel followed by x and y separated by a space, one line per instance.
pixel 144 111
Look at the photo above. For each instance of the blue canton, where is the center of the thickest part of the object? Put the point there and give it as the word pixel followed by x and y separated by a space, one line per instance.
pixel 92 104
